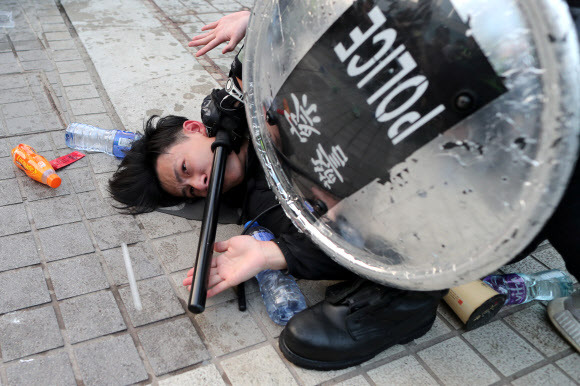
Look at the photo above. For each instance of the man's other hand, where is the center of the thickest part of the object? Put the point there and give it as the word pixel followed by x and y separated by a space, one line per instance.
pixel 241 258
pixel 230 28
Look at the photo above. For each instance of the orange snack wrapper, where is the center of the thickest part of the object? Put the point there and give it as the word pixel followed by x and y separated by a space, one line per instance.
pixel 35 165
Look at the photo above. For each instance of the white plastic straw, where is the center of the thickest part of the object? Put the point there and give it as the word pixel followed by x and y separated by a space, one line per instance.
pixel 131 277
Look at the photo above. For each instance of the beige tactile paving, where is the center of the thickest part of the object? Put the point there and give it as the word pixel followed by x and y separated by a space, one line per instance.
pixel 503 348
pixel 315 377
pixel 455 363
pixel 226 329
pixel 439 328
pixel 534 325
pixel 359 380
pixel 261 366
pixel 547 375
pixel 404 371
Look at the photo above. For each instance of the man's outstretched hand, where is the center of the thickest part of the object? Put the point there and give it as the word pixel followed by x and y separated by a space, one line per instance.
pixel 242 258
pixel 230 28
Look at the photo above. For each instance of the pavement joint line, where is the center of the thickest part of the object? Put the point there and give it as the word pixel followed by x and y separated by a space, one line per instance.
pixel 67 346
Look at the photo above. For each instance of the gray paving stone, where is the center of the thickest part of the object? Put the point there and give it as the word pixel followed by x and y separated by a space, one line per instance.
pixel 9 68
pixel 7 57
pixel 22 288
pixel 27 45
pixel 53 369
pixel 64 55
pixel 15 95
pixel 81 92
pixel 359 380
pixel 492 342
pixel 55 27
pixel 61 35
pixel 34 190
pixel 77 276
pixel 50 19
pixel 202 376
pixel 178 252
pixel 19 109
pixel 456 364
pixel 226 317
pixel 145 263
pixel 159 224
pixel 571 366
pixel 18 220
pixel 158 300
pixel 172 345
pixel 183 292
pixel 261 366
pixel 57 45
pixel 40 142
pixel 54 211
pixel 28 332
pixel 90 316
pixel 404 371
pixel 547 375
pixel 111 231
pixel 18 251
pixel 27 56
pixel 114 361
pixel 314 290
pixel 87 106
pixel 81 179
pixel 44 65
pixel 534 325
pixel 82 163
pixel 8 82
pixel 551 258
pixel 65 241
pixel 439 328
pixel 103 163
pixel 94 206
pixel 75 78
pixel 28 124
pixel 9 192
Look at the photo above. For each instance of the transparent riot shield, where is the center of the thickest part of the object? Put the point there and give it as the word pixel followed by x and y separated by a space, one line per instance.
pixel 420 143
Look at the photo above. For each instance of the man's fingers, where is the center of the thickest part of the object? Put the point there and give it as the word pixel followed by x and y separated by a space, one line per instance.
pixel 221 246
pixel 211 25
pixel 187 281
pixel 217 289
pixel 213 280
pixel 230 46
pixel 190 272
pixel 210 46
pixel 201 41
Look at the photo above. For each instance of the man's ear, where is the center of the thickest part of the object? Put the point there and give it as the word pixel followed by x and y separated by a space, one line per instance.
pixel 194 127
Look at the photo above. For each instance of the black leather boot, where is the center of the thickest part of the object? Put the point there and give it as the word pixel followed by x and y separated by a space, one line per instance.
pixel 355 322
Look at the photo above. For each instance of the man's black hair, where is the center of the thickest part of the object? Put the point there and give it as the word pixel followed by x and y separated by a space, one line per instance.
pixel 135 184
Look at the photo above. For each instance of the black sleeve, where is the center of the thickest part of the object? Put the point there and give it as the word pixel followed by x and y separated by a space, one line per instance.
pixel 306 261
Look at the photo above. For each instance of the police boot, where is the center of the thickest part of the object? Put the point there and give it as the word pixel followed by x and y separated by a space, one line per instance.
pixel 355 322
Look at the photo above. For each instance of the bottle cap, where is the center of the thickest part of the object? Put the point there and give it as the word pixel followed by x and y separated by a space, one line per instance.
pixel 53 180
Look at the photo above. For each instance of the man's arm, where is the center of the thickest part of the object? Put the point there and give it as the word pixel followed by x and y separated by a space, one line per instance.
pixel 231 28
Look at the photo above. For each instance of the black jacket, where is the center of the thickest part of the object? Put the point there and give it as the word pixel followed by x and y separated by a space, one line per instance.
pixel 305 260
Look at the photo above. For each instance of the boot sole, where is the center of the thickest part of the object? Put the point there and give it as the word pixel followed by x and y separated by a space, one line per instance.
pixel 338 365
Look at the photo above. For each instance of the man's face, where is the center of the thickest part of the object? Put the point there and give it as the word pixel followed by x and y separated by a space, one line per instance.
pixel 184 170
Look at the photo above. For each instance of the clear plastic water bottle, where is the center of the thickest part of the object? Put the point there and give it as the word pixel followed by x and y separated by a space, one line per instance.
pixel 281 294
pixel 521 288
pixel 80 136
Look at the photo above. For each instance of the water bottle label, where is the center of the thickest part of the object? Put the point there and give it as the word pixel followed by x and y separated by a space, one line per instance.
pixel 122 143
pixel 516 286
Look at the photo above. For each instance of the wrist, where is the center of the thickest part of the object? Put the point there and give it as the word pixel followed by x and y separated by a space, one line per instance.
pixel 274 258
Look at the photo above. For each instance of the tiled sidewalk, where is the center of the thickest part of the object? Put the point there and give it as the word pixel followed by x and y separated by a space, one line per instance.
pixel 66 313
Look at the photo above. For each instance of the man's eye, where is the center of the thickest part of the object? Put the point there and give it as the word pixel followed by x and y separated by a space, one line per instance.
pixel 183 167
pixel 192 191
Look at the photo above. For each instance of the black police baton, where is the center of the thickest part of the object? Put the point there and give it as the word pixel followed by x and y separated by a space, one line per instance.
pixel 197 296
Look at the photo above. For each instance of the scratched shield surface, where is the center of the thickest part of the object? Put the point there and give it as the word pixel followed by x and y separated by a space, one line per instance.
pixel 420 143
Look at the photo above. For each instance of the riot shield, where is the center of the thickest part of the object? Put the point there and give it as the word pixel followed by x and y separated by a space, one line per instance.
pixel 420 143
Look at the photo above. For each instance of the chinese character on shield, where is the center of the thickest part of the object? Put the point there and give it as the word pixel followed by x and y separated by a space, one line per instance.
pixel 302 121
pixel 327 164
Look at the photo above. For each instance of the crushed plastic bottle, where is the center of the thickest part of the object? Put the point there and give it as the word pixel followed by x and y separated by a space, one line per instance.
pixel 522 288
pixel 281 294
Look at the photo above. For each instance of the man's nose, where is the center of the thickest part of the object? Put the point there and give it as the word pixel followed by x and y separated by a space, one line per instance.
pixel 200 182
